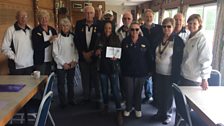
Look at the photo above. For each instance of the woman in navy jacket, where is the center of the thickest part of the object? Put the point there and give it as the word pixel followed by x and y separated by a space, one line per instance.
pixel 42 39
pixel 135 65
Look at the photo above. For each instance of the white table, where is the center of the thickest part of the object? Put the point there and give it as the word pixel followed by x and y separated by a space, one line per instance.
pixel 209 104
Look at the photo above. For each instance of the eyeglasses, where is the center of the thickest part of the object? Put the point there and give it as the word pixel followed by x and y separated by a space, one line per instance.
pixel 127 18
pixel 166 26
pixel 134 29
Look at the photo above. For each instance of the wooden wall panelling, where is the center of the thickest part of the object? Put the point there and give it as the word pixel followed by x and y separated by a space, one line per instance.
pixel 49 6
pixel 8 9
pixel 77 13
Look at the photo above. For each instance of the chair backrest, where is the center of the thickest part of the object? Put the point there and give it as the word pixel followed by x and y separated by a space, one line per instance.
pixel 43 109
pixel 50 83
pixel 182 108
pixel 215 78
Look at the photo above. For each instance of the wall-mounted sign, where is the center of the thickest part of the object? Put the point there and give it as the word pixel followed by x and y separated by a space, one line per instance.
pixel 77 6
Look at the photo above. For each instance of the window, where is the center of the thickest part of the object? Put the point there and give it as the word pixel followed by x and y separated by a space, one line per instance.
pixel 156 17
pixel 208 14
pixel 169 13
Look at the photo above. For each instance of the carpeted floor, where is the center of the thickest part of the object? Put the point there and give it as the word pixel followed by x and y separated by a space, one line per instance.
pixel 88 115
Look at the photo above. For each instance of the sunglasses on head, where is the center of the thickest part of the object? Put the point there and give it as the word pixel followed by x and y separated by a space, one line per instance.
pixel 166 26
pixel 134 29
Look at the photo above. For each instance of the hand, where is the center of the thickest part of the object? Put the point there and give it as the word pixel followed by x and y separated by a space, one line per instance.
pixel 53 38
pixel 66 66
pixel 113 58
pixel 98 52
pixel 204 84
pixel 87 55
pixel 73 64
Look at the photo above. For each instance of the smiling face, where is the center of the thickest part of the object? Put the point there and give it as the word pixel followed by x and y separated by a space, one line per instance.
pixel 134 30
pixel 65 28
pixel 179 19
pixel 22 18
pixel 89 13
pixel 168 26
pixel 108 29
pixel 149 17
pixel 44 20
pixel 167 29
pixel 127 18
pixel 194 25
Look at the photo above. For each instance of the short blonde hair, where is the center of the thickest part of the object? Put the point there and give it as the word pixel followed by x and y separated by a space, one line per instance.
pixel 169 20
pixel 65 21
pixel 43 13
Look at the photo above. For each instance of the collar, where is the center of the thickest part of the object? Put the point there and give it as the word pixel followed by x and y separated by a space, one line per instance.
pixel 17 28
pixel 151 26
pixel 183 30
pixel 65 35
pixel 92 25
pixel 121 29
pixel 171 37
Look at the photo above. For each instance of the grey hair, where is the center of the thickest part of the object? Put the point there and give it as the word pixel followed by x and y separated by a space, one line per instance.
pixel 43 13
pixel 65 21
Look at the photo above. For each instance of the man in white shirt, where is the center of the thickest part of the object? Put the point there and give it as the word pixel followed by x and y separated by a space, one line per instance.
pixel 17 46
pixel 180 29
pixel 123 31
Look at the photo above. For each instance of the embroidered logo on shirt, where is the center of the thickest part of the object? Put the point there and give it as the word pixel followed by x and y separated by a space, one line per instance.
pixel 143 46
pixel 39 34
pixel 126 46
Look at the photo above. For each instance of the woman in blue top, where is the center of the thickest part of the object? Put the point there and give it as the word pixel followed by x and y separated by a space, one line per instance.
pixel 135 66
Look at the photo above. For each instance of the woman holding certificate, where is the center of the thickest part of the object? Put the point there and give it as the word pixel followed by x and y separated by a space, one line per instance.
pixel 135 66
pixel 109 66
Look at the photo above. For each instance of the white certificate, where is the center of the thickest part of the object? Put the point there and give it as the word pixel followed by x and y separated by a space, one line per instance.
pixel 113 52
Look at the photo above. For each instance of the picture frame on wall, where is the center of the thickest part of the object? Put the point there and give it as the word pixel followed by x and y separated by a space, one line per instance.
pixel 77 6
pixel 87 4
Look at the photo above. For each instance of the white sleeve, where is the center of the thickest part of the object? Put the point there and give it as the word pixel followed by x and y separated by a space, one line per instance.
pixel 7 40
pixel 56 52
pixel 205 57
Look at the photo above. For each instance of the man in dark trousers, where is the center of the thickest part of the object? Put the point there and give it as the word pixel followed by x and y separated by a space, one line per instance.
pixel 87 31
pixel 151 31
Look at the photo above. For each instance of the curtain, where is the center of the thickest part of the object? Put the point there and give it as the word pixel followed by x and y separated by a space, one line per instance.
pixel 218 51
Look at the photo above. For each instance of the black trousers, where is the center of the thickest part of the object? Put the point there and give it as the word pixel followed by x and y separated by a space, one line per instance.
pixel 165 95
pixel 90 79
pixel 62 76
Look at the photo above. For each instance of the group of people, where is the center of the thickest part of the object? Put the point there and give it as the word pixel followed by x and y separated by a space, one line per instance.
pixel 153 56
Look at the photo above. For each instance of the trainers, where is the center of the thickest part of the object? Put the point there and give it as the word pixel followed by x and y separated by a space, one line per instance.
pixel 167 121
pixel 138 114
pixel 126 113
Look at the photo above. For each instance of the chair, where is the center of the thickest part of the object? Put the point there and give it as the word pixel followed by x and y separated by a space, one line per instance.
pixel 32 106
pixel 43 110
pixel 34 103
pixel 215 78
pixel 183 113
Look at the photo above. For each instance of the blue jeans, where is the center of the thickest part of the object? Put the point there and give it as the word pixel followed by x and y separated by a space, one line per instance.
pixel 148 87
pixel 114 82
